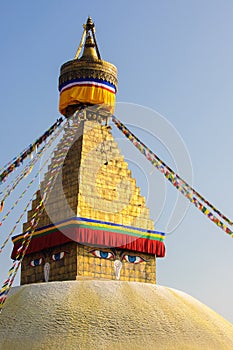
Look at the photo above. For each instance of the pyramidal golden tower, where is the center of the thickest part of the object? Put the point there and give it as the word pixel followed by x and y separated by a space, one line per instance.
pixel 95 223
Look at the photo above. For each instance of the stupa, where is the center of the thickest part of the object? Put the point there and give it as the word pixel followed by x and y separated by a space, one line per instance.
pixel 88 279
pixel 95 223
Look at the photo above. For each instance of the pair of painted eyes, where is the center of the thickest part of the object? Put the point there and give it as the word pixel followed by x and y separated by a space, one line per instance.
pixel 133 259
pixel 54 257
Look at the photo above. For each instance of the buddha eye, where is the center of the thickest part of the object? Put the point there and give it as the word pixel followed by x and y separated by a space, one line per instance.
pixel 36 262
pixel 58 256
pixel 102 254
pixel 133 259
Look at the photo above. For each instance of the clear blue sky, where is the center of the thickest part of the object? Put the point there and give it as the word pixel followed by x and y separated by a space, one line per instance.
pixel 174 57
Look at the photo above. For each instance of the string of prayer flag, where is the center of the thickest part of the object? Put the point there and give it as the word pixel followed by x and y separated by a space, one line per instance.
pixel 56 166
pixel 9 168
pixel 182 186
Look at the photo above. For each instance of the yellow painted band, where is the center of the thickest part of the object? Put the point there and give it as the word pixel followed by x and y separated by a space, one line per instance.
pixel 86 94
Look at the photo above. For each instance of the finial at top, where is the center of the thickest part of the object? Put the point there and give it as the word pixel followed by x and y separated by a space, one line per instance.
pixel 89 25
pixel 89 31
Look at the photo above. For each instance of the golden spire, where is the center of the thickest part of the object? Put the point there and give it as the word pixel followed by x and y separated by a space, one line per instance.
pixel 90 44
pixel 89 52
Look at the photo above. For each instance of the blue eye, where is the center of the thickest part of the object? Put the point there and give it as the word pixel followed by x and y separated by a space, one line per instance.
pixel 102 254
pixel 36 262
pixel 133 259
pixel 58 256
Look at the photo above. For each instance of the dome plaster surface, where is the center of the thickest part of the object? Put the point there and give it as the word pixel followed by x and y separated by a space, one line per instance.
pixel 97 314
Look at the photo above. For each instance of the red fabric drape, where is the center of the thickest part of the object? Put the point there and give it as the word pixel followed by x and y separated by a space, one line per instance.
pixel 94 237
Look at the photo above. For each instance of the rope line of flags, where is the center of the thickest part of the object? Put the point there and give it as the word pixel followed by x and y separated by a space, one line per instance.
pixel 56 166
pixel 176 180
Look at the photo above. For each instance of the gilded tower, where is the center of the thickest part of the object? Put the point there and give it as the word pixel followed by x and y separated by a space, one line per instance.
pixel 95 223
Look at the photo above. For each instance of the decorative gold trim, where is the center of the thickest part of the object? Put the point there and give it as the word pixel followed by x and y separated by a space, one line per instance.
pixel 97 69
